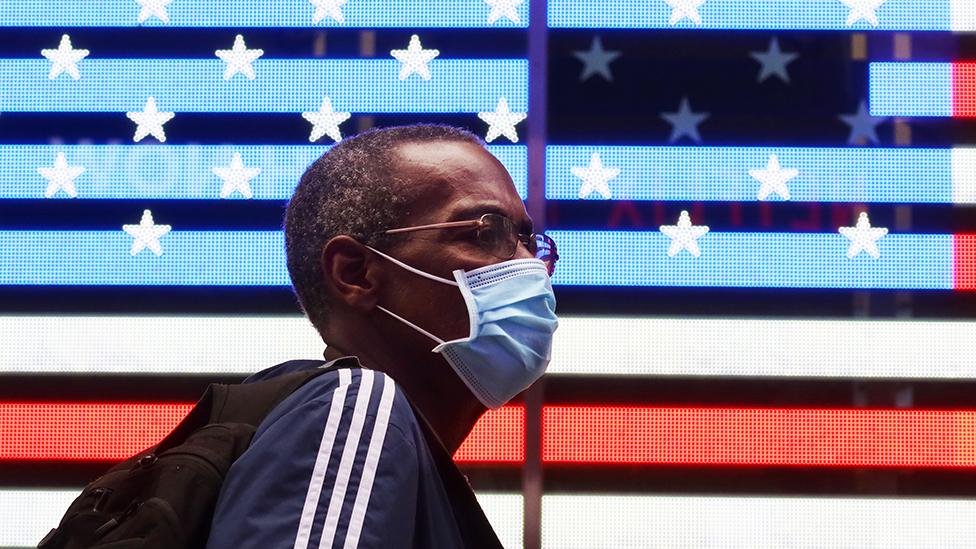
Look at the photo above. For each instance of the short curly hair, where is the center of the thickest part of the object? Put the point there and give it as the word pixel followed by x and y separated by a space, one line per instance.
pixel 352 189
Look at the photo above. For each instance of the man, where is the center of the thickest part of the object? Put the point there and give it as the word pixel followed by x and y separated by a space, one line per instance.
pixel 399 241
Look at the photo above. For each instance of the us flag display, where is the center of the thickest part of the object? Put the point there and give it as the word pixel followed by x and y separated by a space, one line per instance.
pixel 764 212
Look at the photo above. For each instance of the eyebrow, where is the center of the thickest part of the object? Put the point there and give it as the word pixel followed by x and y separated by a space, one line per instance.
pixel 473 212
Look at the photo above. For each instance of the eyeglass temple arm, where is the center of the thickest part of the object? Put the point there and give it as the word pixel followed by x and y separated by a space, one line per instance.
pixel 447 225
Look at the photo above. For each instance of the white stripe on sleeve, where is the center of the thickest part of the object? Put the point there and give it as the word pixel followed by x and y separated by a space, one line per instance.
pixel 372 460
pixel 322 459
pixel 347 460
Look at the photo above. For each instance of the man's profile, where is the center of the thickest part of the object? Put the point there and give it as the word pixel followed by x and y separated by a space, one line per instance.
pixel 412 254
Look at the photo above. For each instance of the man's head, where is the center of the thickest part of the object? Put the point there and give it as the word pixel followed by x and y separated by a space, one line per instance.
pixel 385 297
pixel 384 179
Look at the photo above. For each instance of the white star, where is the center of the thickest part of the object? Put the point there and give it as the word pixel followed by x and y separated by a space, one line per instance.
pixel 595 177
pixel 681 9
pixel 154 8
pixel 146 234
pixel 415 59
pixel 60 176
pixel 331 8
pixel 325 121
pixel 774 61
pixel 502 121
pixel 150 121
pixel 684 122
pixel 596 60
pixel 239 59
pixel 862 124
pixel 684 235
pixel 774 179
pixel 863 237
pixel 863 9
pixel 236 177
pixel 503 8
pixel 64 59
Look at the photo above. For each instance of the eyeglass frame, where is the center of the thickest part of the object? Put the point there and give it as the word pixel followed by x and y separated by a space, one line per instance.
pixel 548 241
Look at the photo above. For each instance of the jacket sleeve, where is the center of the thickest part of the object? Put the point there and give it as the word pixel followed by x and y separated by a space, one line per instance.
pixel 327 469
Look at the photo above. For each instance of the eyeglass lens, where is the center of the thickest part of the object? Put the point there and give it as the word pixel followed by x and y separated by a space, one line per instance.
pixel 500 237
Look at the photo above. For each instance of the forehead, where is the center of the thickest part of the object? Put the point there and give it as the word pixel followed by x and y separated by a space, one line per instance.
pixel 450 178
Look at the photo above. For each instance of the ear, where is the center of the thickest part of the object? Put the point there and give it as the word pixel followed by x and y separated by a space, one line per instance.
pixel 349 273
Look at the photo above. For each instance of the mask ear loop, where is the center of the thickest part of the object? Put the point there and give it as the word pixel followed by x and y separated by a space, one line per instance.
pixel 414 270
pixel 438 340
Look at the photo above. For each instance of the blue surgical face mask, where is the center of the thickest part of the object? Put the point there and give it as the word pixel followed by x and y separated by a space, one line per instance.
pixel 512 314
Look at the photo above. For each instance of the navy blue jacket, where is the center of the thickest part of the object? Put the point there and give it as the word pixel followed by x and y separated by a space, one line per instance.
pixel 340 463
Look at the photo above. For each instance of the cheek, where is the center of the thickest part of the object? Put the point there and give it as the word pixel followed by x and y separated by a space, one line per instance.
pixel 437 308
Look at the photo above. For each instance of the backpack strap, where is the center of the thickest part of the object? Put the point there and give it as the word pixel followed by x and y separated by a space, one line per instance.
pixel 245 402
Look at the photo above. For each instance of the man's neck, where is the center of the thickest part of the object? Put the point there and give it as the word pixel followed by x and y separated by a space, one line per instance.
pixel 451 411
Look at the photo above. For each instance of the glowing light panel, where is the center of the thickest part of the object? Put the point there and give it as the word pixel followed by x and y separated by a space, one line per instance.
pixel 792 437
pixel 30 514
pixel 116 430
pixel 918 15
pixel 596 346
pixel 594 435
pixel 578 521
pixel 256 258
pixel 281 85
pixel 255 13
pixel 923 89
pixel 189 258
pixel 181 171
pixel 796 260
pixel 723 173
pixel 608 346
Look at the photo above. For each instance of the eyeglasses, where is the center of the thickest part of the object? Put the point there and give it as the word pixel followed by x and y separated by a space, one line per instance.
pixel 498 236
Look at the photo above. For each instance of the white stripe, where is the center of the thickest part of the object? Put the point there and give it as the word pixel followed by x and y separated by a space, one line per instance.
pixel 372 461
pixel 347 460
pixel 28 515
pixel 910 349
pixel 322 459
pixel 116 344
pixel 963 15
pixel 964 171
pixel 770 347
pixel 623 521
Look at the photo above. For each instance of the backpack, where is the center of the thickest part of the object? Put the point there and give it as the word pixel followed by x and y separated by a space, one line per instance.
pixel 165 496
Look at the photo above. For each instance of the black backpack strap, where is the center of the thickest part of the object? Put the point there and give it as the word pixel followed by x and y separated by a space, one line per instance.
pixel 245 402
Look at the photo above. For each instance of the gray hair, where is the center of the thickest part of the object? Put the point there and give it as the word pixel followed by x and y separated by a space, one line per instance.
pixel 354 190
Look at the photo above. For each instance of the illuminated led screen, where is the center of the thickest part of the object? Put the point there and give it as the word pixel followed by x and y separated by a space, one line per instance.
pixel 600 436
pixel 140 255
pixel 751 173
pixel 571 521
pixel 584 346
pixel 35 510
pixel 923 89
pixel 280 86
pixel 808 166
pixel 179 172
pixel 255 13
pixel 914 15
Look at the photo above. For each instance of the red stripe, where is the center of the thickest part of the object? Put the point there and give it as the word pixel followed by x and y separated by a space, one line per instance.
pixel 498 437
pixel 571 434
pixel 965 262
pixel 759 436
pixel 964 90
pixel 113 431
pixel 86 431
